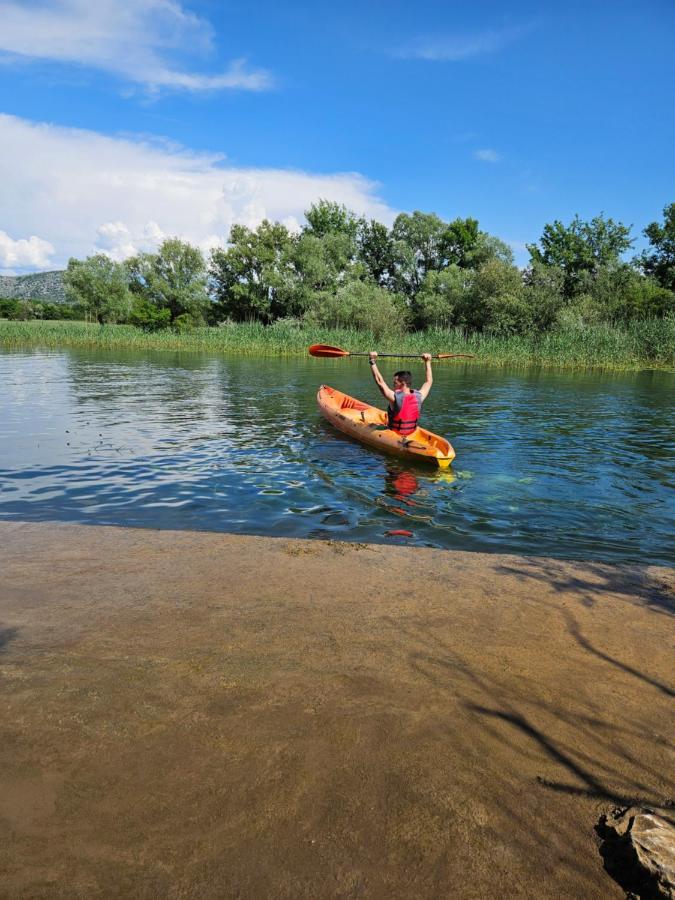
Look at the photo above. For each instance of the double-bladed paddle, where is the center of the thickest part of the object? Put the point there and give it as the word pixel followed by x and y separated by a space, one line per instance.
pixel 327 350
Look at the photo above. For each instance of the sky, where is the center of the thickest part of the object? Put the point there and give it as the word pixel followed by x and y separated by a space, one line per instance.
pixel 126 121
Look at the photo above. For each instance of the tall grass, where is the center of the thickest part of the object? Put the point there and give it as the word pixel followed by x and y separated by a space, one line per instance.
pixel 645 344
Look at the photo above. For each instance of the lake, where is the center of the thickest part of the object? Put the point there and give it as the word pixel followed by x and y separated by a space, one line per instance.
pixel 570 465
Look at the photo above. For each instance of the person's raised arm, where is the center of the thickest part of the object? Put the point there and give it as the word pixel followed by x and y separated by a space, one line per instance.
pixel 379 380
pixel 428 377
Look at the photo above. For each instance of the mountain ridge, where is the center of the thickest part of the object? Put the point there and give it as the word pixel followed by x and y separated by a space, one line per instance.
pixel 37 286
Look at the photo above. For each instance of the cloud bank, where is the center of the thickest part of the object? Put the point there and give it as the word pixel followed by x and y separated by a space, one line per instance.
pixel 69 192
pixel 137 40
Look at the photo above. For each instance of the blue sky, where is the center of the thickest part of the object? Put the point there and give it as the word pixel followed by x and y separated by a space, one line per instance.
pixel 122 122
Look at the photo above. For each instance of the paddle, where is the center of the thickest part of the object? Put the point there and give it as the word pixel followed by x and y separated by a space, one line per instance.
pixel 327 350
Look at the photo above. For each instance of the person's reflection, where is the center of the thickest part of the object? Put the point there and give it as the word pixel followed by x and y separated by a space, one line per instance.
pixel 400 484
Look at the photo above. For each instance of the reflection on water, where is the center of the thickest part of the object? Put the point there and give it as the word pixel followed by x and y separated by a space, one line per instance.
pixel 569 465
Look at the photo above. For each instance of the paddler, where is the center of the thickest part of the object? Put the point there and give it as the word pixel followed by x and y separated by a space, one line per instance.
pixel 405 403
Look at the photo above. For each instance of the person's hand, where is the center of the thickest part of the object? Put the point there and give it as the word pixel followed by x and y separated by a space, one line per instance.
pixel 372 355
pixel 426 357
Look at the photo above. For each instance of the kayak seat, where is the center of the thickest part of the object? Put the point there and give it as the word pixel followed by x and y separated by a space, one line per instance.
pixel 350 403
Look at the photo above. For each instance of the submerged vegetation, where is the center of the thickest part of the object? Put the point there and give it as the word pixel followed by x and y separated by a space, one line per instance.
pixel 638 345
pixel 423 284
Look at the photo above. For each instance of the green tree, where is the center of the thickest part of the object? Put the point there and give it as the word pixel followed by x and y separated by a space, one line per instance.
pixel 100 286
pixel 174 278
pixel 441 295
pixel 255 277
pixel 463 244
pixel 323 265
pixel 543 294
pixel 147 315
pixel 377 252
pixel 419 248
pixel 327 217
pixel 361 305
pixel 660 262
pixel 487 247
pixel 458 241
pixel 496 301
pixel 424 243
pixel 620 294
pixel 326 254
pixel 9 308
pixel 581 247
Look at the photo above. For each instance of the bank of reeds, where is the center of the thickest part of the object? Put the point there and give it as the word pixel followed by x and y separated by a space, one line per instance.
pixel 645 344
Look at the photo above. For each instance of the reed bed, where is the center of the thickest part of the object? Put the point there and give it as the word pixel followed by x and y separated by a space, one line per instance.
pixel 644 344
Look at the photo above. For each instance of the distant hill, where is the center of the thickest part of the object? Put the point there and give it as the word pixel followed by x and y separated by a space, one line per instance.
pixel 40 286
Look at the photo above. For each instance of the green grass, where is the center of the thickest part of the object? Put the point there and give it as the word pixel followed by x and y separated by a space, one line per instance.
pixel 647 344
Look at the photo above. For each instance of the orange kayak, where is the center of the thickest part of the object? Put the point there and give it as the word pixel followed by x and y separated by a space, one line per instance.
pixel 369 425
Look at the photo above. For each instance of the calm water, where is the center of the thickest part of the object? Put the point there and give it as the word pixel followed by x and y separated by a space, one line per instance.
pixel 566 465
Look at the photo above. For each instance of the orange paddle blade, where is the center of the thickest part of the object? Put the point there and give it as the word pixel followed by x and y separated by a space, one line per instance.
pixel 327 350
pixel 454 356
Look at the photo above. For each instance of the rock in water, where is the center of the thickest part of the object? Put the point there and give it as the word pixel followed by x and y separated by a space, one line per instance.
pixel 639 850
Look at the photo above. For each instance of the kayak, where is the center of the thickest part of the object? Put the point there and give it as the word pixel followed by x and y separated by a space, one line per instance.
pixel 369 425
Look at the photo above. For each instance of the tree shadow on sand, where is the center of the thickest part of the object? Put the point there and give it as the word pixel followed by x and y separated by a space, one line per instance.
pixel 638 587
pixel 512 717
pixel 7 635
pixel 575 631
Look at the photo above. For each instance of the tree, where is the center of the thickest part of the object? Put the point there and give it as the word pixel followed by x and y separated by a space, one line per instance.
pixel 361 305
pixel 581 247
pixel 419 248
pixel 543 294
pixel 255 277
pixel 174 278
pixel 424 243
pixel 327 217
pixel 9 308
pixel 319 263
pixel 324 264
pixel 326 254
pixel 100 285
pixel 147 315
pixel 496 301
pixel 458 242
pixel 376 251
pixel 620 293
pixel 441 296
pixel 463 244
pixel 660 263
pixel 487 247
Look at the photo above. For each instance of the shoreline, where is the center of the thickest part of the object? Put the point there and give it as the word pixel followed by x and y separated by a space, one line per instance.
pixel 601 348
pixel 199 714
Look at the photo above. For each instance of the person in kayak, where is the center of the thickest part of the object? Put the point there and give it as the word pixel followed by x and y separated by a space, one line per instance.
pixel 405 403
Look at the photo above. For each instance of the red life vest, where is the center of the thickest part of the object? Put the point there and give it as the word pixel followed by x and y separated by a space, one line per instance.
pixel 405 420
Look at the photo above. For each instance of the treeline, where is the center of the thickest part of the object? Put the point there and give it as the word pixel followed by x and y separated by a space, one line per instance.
pixel 344 271
pixel 23 310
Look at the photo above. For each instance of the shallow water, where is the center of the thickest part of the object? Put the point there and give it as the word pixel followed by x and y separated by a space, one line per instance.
pixel 567 465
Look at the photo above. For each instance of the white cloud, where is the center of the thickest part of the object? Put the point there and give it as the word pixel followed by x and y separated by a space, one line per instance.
pixel 487 155
pixel 458 47
pixel 137 40
pixel 30 253
pixel 114 239
pixel 85 192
